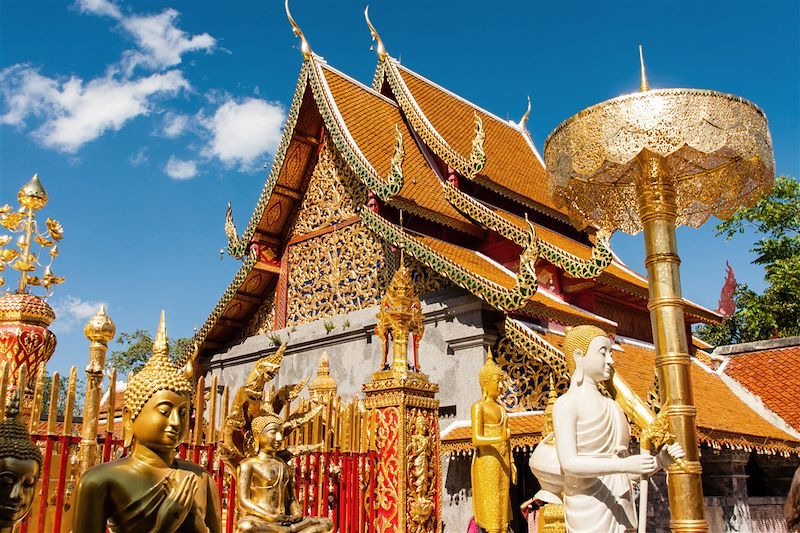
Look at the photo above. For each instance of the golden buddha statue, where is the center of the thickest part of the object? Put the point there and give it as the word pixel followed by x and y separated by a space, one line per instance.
pixel 492 466
pixel 150 490
pixel 265 493
pixel 20 466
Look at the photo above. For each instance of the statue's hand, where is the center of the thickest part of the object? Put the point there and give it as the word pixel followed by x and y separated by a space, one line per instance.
pixel 640 465
pixel 669 454
pixel 176 505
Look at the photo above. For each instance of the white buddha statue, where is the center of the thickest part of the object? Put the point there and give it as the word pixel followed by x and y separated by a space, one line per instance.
pixel 591 440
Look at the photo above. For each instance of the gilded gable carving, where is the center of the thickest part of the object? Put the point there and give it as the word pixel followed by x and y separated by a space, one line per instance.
pixel 333 194
pixel 264 319
pixel 335 273
pixel 528 378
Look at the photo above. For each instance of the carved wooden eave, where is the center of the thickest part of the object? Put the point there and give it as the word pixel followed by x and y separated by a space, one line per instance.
pixel 501 156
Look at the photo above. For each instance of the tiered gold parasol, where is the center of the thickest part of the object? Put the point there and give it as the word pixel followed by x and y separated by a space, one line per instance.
pixel 651 161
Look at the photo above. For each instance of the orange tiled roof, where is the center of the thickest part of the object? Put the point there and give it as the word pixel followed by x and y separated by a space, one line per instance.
pixel 616 274
pixel 543 304
pixel 772 376
pixel 722 418
pixel 511 161
pixel 370 119
pixel 526 430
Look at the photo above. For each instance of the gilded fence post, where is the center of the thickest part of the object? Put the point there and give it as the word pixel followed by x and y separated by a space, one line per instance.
pixel 99 330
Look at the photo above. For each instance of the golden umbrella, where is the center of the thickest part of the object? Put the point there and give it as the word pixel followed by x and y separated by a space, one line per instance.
pixel 652 161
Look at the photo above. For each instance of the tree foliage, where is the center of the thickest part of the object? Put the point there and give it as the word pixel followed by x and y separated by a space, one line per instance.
pixel 136 350
pixel 775 312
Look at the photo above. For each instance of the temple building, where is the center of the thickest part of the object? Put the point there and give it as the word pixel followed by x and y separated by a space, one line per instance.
pixel 368 176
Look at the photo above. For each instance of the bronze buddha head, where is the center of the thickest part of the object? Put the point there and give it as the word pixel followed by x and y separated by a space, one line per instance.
pixel 20 466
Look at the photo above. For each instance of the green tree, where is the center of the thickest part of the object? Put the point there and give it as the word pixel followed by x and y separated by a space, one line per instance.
pixel 136 350
pixel 775 312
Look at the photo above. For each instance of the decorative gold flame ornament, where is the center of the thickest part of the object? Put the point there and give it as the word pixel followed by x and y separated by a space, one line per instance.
pixel 24 317
pixel 150 489
pixel 254 452
pixel 400 315
pixel 20 467
pixel 651 161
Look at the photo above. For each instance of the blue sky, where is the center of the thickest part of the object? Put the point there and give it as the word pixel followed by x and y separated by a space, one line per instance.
pixel 144 119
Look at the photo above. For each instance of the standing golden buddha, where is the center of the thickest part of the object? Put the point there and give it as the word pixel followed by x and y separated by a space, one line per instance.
pixel 150 490
pixel 492 466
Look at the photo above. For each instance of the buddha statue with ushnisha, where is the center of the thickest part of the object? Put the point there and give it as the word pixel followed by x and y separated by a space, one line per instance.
pixel 493 468
pixel 591 439
pixel 151 490
pixel 265 496
pixel 20 467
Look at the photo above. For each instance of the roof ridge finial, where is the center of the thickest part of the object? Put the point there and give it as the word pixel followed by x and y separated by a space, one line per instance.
pixel 523 122
pixel 644 87
pixel 379 49
pixel 305 49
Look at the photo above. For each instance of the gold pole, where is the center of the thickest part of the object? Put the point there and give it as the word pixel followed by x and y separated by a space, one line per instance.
pixel 658 213
pixel 99 330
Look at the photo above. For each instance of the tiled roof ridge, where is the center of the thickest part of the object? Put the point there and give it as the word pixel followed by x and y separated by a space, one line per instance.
pixel 746 348
pixel 360 84
pixel 566 261
pixel 508 123
pixel 756 403
pixel 468 167
pixel 525 284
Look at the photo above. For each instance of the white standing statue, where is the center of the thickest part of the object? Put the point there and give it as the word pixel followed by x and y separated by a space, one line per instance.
pixel 591 443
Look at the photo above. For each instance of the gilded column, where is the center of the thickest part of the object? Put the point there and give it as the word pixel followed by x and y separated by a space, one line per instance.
pixel 99 330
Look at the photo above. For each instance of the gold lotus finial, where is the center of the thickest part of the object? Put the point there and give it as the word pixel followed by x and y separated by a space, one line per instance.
pixel 644 87
pixel 32 198
pixel 379 48
pixel 523 122
pixel 305 48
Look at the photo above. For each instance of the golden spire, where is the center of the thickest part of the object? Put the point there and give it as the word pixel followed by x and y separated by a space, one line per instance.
pixel 379 48
pixel 305 49
pixel 523 122
pixel 644 87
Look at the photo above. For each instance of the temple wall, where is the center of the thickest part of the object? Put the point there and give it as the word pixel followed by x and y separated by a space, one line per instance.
pixel 451 352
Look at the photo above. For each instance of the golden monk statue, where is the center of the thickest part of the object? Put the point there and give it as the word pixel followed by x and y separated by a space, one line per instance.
pixel 591 440
pixel 492 465
pixel 20 466
pixel 265 493
pixel 150 491
pixel 253 451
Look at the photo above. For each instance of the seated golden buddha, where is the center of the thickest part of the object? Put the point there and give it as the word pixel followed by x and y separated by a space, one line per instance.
pixel 265 493
pixel 150 490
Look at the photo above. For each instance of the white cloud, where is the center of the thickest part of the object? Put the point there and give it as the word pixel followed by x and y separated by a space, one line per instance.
pixel 139 158
pixel 174 124
pixel 99 7
pixel 178 169
pixel 75 112
pixel 72 313
pixel 242 132
pixel 160 42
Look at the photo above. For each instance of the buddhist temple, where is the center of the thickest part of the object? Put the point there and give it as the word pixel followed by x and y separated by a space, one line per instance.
pixel 402 171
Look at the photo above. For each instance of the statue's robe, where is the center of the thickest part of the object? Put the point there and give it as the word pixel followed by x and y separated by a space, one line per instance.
pixel 604 503
pixel 491 478
pixel 140 514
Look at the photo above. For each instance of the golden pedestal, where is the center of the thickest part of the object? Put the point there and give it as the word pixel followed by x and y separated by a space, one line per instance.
pixel 406 434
